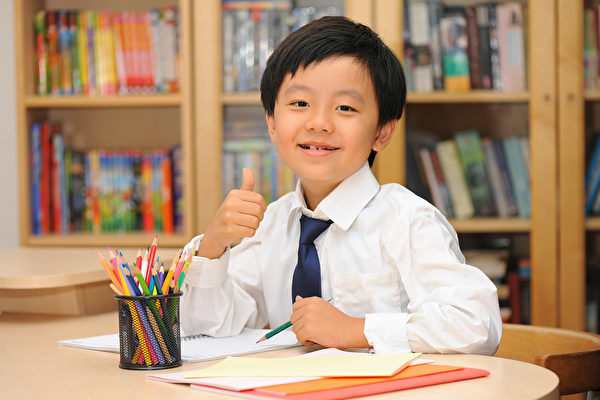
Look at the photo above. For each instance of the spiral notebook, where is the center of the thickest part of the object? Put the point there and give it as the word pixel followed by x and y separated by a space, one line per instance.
pixel 200 347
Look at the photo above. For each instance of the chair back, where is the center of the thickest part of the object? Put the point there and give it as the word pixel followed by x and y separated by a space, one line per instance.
pixel 572 355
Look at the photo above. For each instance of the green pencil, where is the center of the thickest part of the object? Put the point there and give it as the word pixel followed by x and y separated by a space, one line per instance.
pixel 274 331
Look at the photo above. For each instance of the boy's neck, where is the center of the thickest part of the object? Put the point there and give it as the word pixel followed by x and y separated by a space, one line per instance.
pixel 314 193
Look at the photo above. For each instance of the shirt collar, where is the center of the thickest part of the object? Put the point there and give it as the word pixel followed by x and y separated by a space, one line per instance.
pixel 343 204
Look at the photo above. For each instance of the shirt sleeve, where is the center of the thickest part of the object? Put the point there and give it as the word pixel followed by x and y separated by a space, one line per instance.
pixel 452 307
pixel 219 300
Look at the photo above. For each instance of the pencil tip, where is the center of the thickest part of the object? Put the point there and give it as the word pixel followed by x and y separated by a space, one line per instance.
pixel 261 339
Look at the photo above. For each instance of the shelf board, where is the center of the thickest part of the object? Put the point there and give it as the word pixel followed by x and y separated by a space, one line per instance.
pixel 592 223
pixel 495 225
pixel 241 99
pixel 471 96
pixel 592 95
pixel 117 239
pixel 112 101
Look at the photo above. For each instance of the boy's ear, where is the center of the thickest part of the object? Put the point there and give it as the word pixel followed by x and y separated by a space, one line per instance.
pixel 271 126
pixel 384 135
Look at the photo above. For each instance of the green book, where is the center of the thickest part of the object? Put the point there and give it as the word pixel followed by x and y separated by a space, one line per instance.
pixel 472 157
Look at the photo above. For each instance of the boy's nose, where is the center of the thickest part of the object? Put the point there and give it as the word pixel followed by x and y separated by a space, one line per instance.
pixel 319 121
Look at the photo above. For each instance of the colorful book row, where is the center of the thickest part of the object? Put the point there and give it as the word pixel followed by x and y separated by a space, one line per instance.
pixel 273 179
pixel 467 176
pixel 591 49
pixel 105 53
pixel 480 46
pixel 252 30
pixel 102 190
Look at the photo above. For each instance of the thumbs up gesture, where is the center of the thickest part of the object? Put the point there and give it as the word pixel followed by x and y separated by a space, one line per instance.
pixel 238 216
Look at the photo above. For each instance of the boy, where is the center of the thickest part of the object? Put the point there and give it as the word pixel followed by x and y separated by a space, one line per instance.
pixel 384 269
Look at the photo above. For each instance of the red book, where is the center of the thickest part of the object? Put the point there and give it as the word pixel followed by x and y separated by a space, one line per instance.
pixel 46 171
pixel 167 194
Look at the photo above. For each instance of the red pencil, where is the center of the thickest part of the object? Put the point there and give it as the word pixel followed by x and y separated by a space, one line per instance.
pixel 151 259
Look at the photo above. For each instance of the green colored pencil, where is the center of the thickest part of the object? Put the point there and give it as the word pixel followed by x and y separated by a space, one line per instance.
pixel 274 332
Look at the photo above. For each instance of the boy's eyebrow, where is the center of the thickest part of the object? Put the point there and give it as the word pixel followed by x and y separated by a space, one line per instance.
pixel 347 92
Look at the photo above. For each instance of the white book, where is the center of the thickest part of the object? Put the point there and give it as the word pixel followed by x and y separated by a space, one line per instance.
pixel 200 347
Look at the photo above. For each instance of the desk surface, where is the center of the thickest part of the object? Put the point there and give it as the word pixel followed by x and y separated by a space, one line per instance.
pixel 52 267
pixel 34 366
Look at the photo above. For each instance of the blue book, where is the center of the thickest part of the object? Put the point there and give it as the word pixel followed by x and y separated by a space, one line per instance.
pixel 519 175
pixel 513 210
pixel 36 177
pixel 592 179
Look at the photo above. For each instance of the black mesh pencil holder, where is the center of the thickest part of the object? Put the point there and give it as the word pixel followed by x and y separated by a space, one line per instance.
pixel 149 334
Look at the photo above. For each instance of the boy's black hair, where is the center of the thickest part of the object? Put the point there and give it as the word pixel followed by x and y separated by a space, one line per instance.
pixel 338 36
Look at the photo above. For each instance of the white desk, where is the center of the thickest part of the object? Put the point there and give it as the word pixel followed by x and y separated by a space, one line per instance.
pixel 36 367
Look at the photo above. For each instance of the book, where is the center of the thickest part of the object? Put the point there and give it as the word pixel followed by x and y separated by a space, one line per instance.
pixel 366 389
pixel 454 176
pixel 473 46
pixel 592 178
pixel 199 347
pixel 420 39
pixel 498 190
pixel 472 157
pixel 507 185
pixel 519 175
pixel 435 14
pixel 442 185
pixel 455 59
pixel 483 33
pixel 35 178
pixel 41 52
pixel 497 78
pixel 426 163
pixel 511 47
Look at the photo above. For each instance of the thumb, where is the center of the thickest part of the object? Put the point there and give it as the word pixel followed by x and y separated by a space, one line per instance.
pixel 247 179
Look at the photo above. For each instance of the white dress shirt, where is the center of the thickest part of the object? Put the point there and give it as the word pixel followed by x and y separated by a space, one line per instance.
pixel 389 257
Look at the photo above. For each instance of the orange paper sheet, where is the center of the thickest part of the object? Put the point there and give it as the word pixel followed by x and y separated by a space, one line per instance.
pixel 335 383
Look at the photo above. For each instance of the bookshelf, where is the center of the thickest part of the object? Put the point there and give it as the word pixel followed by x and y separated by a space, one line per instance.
pixel 146 121
pixel 479 109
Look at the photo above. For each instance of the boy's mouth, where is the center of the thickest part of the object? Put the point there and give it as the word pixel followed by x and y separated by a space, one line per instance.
pixel 312 147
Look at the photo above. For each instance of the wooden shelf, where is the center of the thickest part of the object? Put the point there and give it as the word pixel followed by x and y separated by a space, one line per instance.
pixel 592 224
pixel 119 239
pixel 169 100
pixel 592 95
pixel 496 225
pixel 241 99
pixel 473 96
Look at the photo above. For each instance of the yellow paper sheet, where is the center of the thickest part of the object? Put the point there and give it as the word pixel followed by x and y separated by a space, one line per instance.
pixel 348 365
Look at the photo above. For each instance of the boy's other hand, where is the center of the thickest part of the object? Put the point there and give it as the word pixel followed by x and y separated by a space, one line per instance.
pixel 315 320
pixel 239 216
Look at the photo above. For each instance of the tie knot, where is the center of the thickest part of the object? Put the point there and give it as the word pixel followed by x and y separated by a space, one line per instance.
pixel 311 228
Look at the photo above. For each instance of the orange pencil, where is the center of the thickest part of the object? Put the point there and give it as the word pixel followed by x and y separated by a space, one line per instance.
pixel 109 271
pixel 170 273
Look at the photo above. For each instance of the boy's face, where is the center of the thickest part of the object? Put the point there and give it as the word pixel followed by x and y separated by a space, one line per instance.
pixel 325 122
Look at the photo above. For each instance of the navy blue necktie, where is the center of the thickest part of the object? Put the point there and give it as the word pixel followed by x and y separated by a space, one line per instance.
pixel 307 275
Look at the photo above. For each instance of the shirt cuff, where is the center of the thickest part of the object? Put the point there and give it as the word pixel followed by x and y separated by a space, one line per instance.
pixel 387 333
pixel 205 272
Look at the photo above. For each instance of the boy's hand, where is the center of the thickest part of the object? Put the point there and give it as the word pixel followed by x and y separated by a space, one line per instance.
pixel 315 320
pixel 239 216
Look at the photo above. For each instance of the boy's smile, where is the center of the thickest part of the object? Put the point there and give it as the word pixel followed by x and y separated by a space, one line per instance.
pixel 325 123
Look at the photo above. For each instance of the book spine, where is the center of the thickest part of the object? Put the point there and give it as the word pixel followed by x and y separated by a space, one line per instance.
pixel 454 175
pixel 518 175
pixel 74 52
pixel 498 190
pixel 82 52
pixel 167 194
pixel 435 11
pixel 427 165
pixel 46 176
pixel 473 46
pixel 497 77
pixel 35 165
pixel 420 38
pixel 455 58
pixel 53 54
pixel 513 209
pixel 41 51
pixel 64 51
pixel 117 31
pixel 514 38
pixel 483 31
pixel 442 185
pixel 472 157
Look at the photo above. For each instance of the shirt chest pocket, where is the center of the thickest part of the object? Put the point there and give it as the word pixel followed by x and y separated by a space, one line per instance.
pixel 357 294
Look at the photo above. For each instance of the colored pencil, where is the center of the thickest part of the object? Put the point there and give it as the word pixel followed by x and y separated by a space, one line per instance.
pixel 109 271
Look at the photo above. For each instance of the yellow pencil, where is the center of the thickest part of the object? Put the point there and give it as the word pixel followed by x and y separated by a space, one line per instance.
pixel 109 271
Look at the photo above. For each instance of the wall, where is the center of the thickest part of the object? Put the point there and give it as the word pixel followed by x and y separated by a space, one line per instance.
pixel 9 207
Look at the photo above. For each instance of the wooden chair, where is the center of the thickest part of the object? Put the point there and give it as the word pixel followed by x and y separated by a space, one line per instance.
pixel 572 355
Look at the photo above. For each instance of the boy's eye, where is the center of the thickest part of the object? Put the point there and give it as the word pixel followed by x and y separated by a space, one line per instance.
pixel 345 108
pixel 300 103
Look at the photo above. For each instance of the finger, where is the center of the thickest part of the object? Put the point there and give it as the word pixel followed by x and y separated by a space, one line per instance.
pixel 247 179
